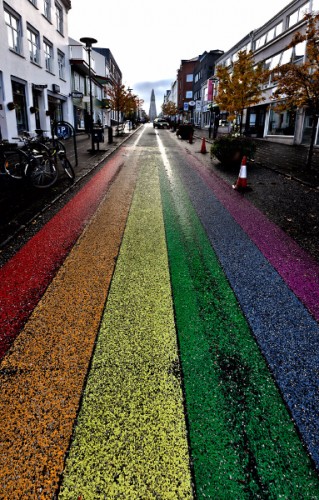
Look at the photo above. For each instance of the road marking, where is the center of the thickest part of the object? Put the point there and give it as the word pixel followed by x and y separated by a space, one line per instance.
pixel 42 376
pixel 243 441
pixel 130 440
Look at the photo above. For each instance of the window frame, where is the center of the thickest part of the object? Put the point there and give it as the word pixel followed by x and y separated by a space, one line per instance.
pixel 47 9
pixel 14 33
pixel 32 31
pixel 59 19
pixel 61 57
pixel 48 60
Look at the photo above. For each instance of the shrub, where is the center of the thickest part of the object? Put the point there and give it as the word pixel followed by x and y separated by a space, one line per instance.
pixel 185 130
pixel 230 150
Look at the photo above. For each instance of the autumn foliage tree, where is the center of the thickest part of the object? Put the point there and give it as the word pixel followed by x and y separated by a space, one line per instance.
pixel 169 108
pixel 240 86
pixel 118 99
pixel 298 84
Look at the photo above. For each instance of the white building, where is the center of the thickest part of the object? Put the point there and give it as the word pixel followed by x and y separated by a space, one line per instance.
pixel 34 65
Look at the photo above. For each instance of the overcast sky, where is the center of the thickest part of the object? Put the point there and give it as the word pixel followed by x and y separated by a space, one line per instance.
pixel 149 38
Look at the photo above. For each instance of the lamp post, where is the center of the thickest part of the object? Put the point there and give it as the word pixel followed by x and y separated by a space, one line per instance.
pixel 130 109
pixel 88 44
pixel 214 80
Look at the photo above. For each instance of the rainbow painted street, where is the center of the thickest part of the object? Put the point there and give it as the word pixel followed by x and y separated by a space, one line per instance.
pixel 159 340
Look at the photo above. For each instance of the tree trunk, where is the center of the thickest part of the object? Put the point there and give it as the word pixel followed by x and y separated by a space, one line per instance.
pixel 312 141
pixel 241 121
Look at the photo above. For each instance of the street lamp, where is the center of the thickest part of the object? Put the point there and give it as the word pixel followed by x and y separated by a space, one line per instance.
pixel 129 123
pixel 88 44
pixel 214 80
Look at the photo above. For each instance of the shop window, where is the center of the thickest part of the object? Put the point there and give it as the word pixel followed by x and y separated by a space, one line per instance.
pixel 281 122
pixel 13 22
pixel 307 129
pixel 19 99
pixel 33 44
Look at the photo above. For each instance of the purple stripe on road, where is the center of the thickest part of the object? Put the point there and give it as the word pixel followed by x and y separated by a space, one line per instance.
pixel 299 270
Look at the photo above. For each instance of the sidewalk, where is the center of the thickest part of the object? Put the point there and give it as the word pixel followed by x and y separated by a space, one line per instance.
pixel 21 205
pixel 285 159
pixel 86 159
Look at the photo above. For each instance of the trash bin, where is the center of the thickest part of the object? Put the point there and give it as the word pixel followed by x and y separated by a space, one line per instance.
pixel 98 135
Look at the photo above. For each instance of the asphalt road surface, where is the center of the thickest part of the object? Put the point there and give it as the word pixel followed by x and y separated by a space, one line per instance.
pixel 159 339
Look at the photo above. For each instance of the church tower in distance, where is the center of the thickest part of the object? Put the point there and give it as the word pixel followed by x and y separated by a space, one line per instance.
pixel 152 113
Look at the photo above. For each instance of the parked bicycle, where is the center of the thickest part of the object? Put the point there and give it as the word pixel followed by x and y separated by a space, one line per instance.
pixel 31 162
pixel 57 152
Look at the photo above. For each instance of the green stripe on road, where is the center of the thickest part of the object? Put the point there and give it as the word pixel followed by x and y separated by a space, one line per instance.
pixel 130 440
pixel 243 442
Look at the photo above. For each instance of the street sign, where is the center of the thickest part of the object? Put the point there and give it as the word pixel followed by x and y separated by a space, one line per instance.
pixel 191 103
pixel 185 106
pixel 77 95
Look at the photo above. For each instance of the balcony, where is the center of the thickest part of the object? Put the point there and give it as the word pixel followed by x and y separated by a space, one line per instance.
pixel 80 57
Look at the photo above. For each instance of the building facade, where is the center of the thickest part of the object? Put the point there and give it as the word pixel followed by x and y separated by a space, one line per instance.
pixel 269 45
pixel 203 71
pixel 34 65
pixel 185 91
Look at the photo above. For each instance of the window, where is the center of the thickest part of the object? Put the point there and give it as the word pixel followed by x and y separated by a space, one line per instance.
pixel 281 123
pixel 286 57
pixel 33 44
pixel 298 15
pixel 59 18
pixel 13 22
pixel 48 55
pixel 260 42
pixel 299 52
pixel 315 5
pixel 189 94
pixel 61 64
pixel 47 9
pixel 189 78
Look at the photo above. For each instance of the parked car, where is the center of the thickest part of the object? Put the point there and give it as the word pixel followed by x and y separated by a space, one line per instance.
pixel 160 123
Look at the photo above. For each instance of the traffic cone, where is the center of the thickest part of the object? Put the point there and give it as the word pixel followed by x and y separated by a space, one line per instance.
pixel 242 177
pixel 203 148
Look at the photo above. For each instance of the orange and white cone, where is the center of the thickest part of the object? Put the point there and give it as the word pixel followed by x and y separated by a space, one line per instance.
pixel 203 148
pixel 242 177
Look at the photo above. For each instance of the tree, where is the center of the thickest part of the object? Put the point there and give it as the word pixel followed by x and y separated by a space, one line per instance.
pixel 298 84
pixel 118 99
pixel 240 86
pixel 169 108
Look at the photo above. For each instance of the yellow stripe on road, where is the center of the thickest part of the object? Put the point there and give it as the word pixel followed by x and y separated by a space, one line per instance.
pixel 130 440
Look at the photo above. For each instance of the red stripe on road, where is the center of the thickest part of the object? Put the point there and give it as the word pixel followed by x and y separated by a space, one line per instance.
pixel 26 276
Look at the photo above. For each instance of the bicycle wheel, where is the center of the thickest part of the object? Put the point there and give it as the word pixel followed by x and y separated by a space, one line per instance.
pixel 42 172
pixel 15 163
pixel 55 145
pixel 68 169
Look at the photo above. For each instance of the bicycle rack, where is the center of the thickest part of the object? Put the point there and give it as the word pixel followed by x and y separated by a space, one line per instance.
pixel 67 125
